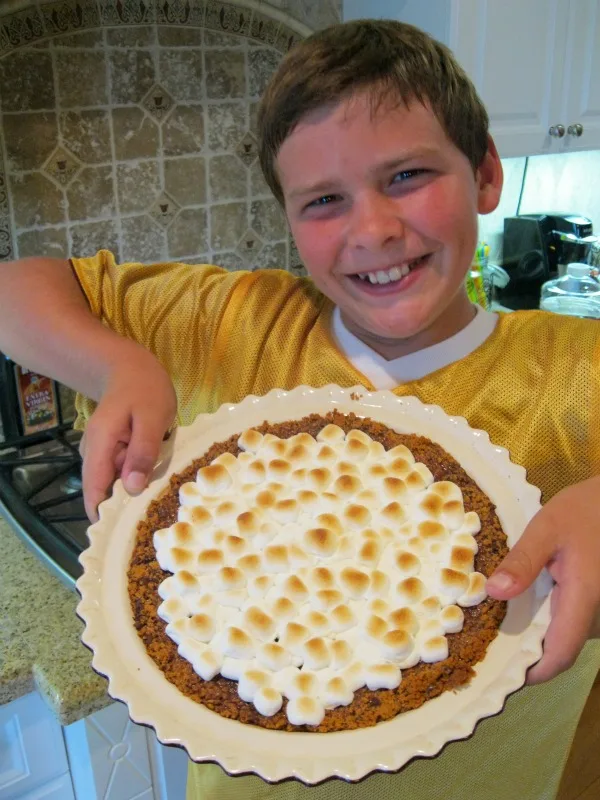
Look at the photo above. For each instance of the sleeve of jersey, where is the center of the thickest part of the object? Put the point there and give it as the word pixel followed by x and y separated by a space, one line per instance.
pixel 171 309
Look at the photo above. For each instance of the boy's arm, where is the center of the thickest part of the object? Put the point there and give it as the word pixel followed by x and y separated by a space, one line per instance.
pixel 564 536
pixel 47 326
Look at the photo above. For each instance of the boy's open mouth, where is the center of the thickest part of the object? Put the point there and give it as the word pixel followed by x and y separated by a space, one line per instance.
pixel 388 276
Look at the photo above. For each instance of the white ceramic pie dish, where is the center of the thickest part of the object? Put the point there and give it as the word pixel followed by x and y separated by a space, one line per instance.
pixel 275 755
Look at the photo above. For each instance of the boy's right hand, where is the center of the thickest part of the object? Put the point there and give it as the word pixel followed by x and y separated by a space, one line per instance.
pixel 124 434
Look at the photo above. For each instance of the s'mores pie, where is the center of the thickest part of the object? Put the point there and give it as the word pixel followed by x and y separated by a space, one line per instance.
pixel 321 575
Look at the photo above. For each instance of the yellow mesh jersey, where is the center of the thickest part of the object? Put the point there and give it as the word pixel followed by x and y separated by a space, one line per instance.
pixel 534 386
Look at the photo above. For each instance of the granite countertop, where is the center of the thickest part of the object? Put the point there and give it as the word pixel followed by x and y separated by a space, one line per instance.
pixel 40 645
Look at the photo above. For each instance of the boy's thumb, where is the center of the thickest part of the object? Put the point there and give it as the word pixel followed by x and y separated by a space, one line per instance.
pixel 519 569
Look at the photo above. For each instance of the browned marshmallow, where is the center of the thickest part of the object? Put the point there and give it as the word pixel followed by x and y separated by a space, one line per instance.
pixel 461 559
pixel 377 471
pixel 318 478
pixel 209 560
pixel 370 552
pixel 355 450
pixel 276 558
pixel 225 512
pixel 294 636
pixel 299 455
pixel 359 435
pixel 394 488
pixel 431 505
pixel 342 617
pixel 282 609
pixel 248 523
pixel 331 434
pixel 404 618
pixel 190 494
pixel 201 627
pixel 302 438
pixel 330 521
pixel 199 517
pixel 316 653
pixel 453 583
pixel 452 619
pixel 475 592
pixel 394 513
pixel 249 564
pixel 453 514
pixel 321 578
pixel 182 558
pixel 376 627
pixel 341 653
pixel 278 469
pixel 285 511
pixel 354 582
pixel 347 468
pixel 213 479
pixel 408 563
pixel 250 440
pixel 237 643
pixel 399 468
pixel 380 584
pixel 317 622
pixel 410 590
pixel 325 599
pixel 446 490
pixel 431 605
pixel 227 460
pixel 182 534
pixel 230 578
pixel 265 499
pixel 299 557
pixel 379 607
pixel 357 516
pixel 258 623
pixel 295 588
pixel 320 541
pixel 326 454
pixel 307 499
pixel 234 545
pixel 347 485
pixel 396 644
pixel 430 530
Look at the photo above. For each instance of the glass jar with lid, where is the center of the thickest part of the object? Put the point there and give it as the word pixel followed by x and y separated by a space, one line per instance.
pixel 576 294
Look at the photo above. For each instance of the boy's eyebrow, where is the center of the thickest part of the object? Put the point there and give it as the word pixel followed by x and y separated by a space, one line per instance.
pixel 385 166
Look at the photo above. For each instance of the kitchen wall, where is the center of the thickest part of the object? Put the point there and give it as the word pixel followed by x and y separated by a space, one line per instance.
pixel 130 125
pixel 560 183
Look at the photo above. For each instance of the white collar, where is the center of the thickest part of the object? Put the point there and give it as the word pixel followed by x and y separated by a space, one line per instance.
pixel 385 374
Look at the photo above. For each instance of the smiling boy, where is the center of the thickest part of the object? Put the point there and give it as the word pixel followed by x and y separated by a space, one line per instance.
pixel 376 144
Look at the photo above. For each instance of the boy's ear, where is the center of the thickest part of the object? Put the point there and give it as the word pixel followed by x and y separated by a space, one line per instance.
pixel 489 178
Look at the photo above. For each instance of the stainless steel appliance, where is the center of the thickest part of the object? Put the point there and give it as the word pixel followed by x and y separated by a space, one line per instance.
pixel 537 248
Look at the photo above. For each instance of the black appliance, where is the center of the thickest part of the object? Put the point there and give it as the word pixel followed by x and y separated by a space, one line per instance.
pixel 40 475
pixel 537 248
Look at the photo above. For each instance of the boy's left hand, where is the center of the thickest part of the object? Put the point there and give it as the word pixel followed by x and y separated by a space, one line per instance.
pixel 564 537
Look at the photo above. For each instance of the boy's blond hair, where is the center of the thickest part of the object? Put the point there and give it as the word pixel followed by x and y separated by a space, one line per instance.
pixel 394 60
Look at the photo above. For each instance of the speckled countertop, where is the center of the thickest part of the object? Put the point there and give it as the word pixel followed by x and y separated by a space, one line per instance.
pixel 40 646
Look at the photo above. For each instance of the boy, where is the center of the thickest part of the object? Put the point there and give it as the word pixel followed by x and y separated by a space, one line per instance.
pixel 376 145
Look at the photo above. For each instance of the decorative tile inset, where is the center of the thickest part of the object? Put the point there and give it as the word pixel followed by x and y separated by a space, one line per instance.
pixel 164 210
pixel 286 39
pixel 127 12
pixel 247 149
pixel 19 29
pixel 62 166
pixel 68 16
pixel 227 18
pixel 250 244
pixel 158 102
pixel 181 12
pixel 6 250
pixel 264 29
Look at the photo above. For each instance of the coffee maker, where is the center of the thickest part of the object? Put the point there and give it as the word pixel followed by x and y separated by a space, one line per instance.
pixel 537 248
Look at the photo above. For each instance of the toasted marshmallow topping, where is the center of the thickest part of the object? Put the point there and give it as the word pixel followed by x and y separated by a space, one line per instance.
pixel 307 568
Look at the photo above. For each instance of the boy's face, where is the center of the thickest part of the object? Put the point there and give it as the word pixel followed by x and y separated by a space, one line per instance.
pixel 390 198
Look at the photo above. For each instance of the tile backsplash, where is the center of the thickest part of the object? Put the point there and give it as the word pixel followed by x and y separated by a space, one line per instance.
pixel 562 183
pixel 131 125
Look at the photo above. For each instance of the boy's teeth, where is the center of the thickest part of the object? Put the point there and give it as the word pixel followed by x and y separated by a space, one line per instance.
pixel 394 274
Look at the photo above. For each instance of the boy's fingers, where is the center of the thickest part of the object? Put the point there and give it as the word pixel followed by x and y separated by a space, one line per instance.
pixel 524 562
pixel 572 617
pixel 142 453
pixel 98 471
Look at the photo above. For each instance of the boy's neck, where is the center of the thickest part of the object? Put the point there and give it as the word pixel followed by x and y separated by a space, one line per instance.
pixel 451 323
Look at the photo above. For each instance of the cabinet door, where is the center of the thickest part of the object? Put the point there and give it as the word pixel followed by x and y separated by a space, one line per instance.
pixel 582 76
pixel 514 51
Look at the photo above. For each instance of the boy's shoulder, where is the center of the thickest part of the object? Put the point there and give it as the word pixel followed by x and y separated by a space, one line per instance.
pixel 545 331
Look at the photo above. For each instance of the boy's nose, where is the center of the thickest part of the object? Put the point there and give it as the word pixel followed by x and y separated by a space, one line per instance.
pixel 375 221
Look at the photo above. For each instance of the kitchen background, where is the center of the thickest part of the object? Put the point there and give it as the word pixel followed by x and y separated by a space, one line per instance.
pixel 130 125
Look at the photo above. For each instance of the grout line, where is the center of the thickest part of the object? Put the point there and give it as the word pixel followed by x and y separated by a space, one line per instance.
pixel 57 112
pixel 206 151
pixel 117 217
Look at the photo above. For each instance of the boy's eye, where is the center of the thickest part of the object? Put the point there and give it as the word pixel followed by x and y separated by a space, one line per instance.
pixel 406 174
pixel 322 201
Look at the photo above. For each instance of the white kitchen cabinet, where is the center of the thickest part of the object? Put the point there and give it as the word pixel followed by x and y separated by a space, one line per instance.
pixel 33 760
pixel 102 757
pixel 535 63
